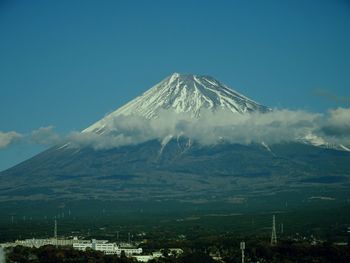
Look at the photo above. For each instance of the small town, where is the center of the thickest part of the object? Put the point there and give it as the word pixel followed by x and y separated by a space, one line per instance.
pixel 127 249
pixel 140 251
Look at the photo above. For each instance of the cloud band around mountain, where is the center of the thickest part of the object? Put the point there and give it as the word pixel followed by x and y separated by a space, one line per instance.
pixel 210 128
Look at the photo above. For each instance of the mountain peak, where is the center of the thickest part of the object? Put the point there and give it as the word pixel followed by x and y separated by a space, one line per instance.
pixel 187 77
pixel 185 93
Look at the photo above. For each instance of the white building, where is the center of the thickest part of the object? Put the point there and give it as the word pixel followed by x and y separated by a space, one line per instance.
pixel 39 242
pixel 99 245
pixel 106 247
pixel 158 254
pixel 82 245
pixel 144 258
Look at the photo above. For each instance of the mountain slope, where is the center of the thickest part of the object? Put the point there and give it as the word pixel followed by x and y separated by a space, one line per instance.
pixel 180 173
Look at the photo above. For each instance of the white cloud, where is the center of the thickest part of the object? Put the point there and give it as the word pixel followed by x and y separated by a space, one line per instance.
pixel 6 138
pixel 272 127
pixel 45 136
pixel 336 127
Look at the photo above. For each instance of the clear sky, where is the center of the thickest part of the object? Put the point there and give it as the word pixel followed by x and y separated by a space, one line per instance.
pixel 68 63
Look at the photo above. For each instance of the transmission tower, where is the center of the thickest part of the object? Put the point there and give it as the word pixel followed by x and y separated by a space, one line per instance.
pixel 55 230
pixel 273 234
pixel 242 246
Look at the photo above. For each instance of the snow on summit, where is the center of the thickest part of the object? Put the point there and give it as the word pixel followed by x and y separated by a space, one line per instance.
pixel 184 93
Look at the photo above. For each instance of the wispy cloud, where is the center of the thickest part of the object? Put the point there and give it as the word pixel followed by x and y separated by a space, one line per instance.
pixel 331 96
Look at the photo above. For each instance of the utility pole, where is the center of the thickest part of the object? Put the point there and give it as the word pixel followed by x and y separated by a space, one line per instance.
pixel 273 234
pixel 242 245
pixel 282 230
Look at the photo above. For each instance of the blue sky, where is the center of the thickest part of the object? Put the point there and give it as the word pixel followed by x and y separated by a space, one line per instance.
pixel 68 63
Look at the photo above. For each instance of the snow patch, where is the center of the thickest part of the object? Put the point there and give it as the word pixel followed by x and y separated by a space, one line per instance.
pixel 267 147
pixel 344 148
pixel 164 142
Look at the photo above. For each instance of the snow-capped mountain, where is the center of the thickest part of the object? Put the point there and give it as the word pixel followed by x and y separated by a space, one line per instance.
pixel 183 93
pixel 191 95
pixel 158 165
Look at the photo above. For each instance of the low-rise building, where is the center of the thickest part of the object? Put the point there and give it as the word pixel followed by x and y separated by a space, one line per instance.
pixel 39 242
pixel 99 245
pixel 106 247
